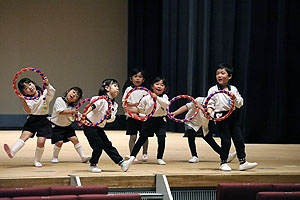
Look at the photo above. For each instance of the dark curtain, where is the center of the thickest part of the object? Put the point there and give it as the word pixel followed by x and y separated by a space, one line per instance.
pixel 184 40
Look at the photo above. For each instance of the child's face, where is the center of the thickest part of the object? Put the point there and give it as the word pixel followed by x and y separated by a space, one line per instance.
pixel 29 89
pixel 72 96
pixel 113 90
pixel 137 79
pixel 222 77
pixel 158 87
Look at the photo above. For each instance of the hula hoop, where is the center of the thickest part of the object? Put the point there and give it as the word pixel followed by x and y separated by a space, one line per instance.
pixel 108 111
pixel 181 120
pixel 25 70
pixel 135 116
pixel 229 112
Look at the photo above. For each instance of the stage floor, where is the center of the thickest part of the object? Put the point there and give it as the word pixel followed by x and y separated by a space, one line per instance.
pixel 278 163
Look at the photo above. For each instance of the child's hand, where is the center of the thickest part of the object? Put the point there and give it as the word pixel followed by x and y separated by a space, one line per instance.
pixel 125 108
pixel 232 95
pixel 21 97
pixel 208 113
pixel 73 112
pixel 198 105
pixel 173 114
pixel 153 95
pixel 46 81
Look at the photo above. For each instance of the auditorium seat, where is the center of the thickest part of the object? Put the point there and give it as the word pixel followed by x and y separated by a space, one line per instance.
pixel 286 187
pixel 18 192
pixel 278 196
pixel 109 197
pixel 241 191
pixel 53 197
pixel 77 190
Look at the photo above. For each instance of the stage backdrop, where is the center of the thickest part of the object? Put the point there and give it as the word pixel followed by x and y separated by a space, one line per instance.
pixel 184 40
pixel 74 42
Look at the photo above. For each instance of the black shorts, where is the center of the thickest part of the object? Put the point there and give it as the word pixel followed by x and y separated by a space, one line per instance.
pixel 190 132
pixel 157 125
pixel 39 125
pixel 62 133
pixel 133 126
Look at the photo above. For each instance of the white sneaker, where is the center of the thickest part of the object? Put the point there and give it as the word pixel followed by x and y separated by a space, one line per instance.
pixel 231 156
pixel 94 169
pixel 37 164
pixel 144 157
pixel 125 165
pixel 161 162
pixel 8 151
pixel 85 159
pixel 54 160
pixel 224 167
pixel 194 159
pixel 136 160
pixel 247 165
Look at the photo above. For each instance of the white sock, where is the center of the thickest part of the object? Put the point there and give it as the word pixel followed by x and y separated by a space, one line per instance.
pixel 79 149
pixel 56 151
pixel 18 145
pixel 38 154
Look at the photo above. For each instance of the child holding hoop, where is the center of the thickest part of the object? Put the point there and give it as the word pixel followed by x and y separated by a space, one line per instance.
pixel 95 135
pixel 157 123
pixel 133 126
pixel 229 127
pixel 37 122
pixel 62 118
pixel 192 129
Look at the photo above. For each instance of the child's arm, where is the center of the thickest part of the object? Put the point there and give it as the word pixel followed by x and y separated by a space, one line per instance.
pixel 25 105
pixel 163 101
pixel 68 112
pixel 180 110
pixel 50 90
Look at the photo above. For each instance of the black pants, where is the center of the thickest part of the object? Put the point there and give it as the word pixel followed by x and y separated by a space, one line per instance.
pixel 230 128
pixel 98 141
pixel 208 138
pixel 157 125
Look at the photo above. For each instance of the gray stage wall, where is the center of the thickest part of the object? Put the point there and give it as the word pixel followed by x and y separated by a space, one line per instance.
pixel 73 42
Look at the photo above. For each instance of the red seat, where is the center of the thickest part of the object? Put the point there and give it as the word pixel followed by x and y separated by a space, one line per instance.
pixel 54 197
pixel 241 191
pixel 278 196
pixel 17 192
pixel 109 197
pixel 286 187
pixel 76 190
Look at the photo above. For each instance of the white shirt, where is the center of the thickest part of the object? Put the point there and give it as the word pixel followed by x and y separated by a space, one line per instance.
pixel 40 106
pixel 147 103
pixel 58 119
pixel 220 102
pixel 199 120
pixel 98 113
pixel 134 97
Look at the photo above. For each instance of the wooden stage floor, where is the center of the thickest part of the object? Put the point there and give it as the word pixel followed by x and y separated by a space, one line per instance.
pixel 278 163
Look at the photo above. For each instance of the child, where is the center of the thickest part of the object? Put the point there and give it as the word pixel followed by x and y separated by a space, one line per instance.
pixel 37 122
pixel 192 129
pixel 156 124
pixel 230 127
pixel 96 136
pixel 136 79
pixel 62 118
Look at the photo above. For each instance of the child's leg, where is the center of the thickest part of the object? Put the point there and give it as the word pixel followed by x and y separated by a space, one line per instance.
pixel 132 140
pixel 192 145
pixel 39 151
pixel 145 147
pixel 11 152
pixel 212 143
pixel 56 149
pixel 79 149
pixel 161 140
pixel 109 149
